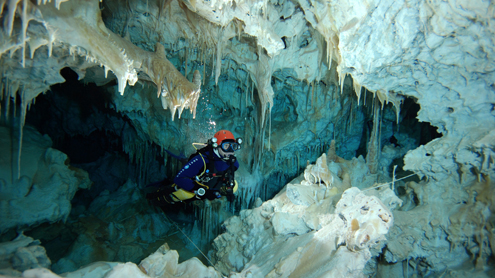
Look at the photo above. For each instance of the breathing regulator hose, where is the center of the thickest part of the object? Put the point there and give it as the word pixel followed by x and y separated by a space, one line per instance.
pixel 204 162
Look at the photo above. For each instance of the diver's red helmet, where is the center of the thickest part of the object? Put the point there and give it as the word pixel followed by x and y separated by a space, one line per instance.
pixel 224 135
pixel 225 140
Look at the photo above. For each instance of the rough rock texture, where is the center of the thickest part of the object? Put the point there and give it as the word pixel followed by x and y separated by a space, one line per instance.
pixel 425 225
pixel 118 226
pixel 287 60
pixel 161 264
pixel 268 241
pixel 246 90
pixel 46 185
pixel 21 254
pixel 164 263
pixel 302 233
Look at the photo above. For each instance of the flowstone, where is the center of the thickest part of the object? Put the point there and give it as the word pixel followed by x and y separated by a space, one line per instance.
pixel 294 233
pixel 286 236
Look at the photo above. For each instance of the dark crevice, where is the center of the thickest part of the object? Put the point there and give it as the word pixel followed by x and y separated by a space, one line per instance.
pixel 421 132
pixel 81 122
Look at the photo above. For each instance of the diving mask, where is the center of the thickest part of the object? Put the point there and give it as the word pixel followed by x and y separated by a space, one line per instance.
pixel 230 146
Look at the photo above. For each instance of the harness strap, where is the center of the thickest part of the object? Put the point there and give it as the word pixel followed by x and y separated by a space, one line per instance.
pixel 211 172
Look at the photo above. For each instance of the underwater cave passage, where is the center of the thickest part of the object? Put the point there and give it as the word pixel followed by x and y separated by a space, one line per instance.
pixel 418 133
pixel 421 132
pixel 81 122
pixel 75 116
pixel 409 134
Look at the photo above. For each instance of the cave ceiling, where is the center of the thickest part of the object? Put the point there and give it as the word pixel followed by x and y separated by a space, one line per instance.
pixel 438 52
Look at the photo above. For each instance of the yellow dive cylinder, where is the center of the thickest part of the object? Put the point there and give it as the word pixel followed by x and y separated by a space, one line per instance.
pixel 235 186
pixel 181 195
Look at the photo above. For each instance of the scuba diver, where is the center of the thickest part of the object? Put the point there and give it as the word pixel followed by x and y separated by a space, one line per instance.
pixel 209 174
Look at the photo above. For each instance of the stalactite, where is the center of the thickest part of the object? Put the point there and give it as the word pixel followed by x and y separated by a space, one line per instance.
pixel 350 116
pixel 25 22
pixel 364 99
pixel 21 124
pixel 312 94
pixel 265 197
pixel 397 114
pixel 379 141
pixel 238 24
pixel 329 53
pixel 212 65
pixel 269 128
pixel 248 84
pixel 187 60
pixel 374 144
pixel 359 89
pixel 341 82
pixel 297 168
pixel 8 93
pixel 316 88
pixel 204 66
pixel 294 165
pixel 218 66
pixel 252 91
pixel 5 98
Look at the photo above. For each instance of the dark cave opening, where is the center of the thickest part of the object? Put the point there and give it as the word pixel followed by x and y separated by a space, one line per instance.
pixel 80 134
pixel 79 120
pixel 81 123
pixel 425 132
pixel 409 127
pixel 421 132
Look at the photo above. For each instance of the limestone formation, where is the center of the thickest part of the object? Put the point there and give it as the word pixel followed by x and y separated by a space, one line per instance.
pixel 296 79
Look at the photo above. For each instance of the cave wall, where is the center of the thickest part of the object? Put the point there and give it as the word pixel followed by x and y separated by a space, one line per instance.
pixel 289 78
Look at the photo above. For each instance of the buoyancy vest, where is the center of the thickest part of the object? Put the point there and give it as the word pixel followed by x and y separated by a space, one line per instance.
pixel 212 178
